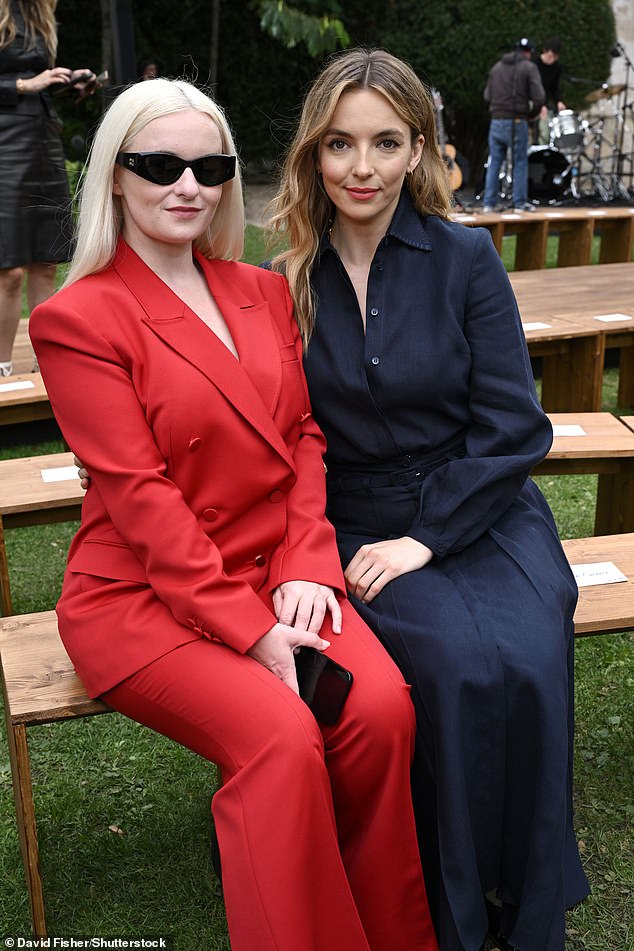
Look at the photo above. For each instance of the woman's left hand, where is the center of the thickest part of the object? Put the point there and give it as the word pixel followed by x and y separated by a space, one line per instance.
pixel 377 564
pixel 304 604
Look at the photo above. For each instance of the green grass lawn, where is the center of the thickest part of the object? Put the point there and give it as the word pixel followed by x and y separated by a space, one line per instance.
pixel 123 815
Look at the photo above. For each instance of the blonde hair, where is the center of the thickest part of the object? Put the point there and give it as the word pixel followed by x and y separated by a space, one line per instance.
pixel 39 17
pixel 100 216
pixel 301 209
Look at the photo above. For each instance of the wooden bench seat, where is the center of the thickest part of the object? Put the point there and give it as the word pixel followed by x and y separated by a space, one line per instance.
pixel 27 499
pixel 23 399
pixel 568 303
pixel 606 448
pixel 40 685
pixel 605 608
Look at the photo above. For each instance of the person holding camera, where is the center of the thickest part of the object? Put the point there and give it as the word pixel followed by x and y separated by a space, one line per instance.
pixel 204 558
pixel 35 212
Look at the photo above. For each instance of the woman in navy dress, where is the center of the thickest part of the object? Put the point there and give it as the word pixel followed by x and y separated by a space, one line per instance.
pixel 420 379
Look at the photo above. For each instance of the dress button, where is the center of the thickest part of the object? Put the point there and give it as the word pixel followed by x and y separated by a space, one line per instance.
pixel 379 267
pixel 276 495
pixel 374 312
pixel 376 361
pixel 194 444
pixel 260 561
pixel 210 515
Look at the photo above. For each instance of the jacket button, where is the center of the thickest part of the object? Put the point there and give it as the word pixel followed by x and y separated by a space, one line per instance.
pixel 260 561
pixel 374 312
pixel 276 495
pixel 210 515
pixel 194 444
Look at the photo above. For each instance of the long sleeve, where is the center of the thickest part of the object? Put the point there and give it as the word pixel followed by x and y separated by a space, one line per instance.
pixel 509 432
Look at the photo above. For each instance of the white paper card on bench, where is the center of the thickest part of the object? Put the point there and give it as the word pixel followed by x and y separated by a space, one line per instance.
pixel 536 325
pixel 60 474
pixel 568 429
pixel 597 572
pixel 18 385
pixel 606 318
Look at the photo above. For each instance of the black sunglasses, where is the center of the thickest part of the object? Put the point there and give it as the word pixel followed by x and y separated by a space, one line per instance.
pixel 163 168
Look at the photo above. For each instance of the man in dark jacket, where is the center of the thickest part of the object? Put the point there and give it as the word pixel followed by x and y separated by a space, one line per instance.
pixel 515 94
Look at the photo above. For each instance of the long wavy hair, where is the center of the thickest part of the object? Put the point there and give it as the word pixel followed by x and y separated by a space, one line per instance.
pixel 302 210
pixel 39 17
pixel 100 216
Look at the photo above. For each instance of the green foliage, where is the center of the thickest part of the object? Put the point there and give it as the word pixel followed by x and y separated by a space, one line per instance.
pixel 292 26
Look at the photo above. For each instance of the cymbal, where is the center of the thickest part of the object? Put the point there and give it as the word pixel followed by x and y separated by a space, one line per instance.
pixel 604 92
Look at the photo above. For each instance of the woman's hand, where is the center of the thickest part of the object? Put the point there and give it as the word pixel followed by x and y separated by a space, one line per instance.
pixel 275 651
pixel 84 83
pixel 56 75
pixel 303 604
pixel 83 474
pixel 377 564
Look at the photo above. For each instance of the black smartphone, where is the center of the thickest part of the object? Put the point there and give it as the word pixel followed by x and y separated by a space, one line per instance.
pixel 323 684
pixel 68 89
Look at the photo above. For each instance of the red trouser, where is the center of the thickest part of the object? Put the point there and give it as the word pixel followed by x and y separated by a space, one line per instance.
pixel 315 824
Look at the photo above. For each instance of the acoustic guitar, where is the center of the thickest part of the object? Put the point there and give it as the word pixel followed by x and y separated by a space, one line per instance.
pixel 448 152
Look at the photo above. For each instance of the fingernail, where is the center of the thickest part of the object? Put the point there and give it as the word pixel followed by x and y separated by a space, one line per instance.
pixel 325 643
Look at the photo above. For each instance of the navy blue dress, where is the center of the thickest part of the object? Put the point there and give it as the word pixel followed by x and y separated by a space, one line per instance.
pixel 433 426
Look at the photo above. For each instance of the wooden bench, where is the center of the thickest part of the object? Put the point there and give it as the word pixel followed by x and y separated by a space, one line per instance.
pixel 27 499
pixel 575 229
pixel 573 358
pixel 605 447
pixel 605 608
pixel 23 398
pixel 572 305
pixel 40 685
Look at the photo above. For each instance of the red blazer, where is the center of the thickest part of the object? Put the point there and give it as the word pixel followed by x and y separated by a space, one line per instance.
pixel 207 472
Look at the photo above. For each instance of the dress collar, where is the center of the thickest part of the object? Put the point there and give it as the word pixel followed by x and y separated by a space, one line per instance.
pixel 406 226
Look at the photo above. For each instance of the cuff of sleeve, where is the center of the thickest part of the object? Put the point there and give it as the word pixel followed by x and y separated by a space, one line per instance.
pixel 243 630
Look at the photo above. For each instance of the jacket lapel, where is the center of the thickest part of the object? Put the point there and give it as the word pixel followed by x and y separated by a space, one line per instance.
pixel 171 319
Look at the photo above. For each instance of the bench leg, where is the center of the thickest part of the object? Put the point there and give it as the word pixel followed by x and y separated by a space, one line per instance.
pixel 615 501
pixel 6 607
pixel 25 813
pixel 571 379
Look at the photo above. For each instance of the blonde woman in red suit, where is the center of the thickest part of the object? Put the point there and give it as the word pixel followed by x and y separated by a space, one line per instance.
pixel 204 558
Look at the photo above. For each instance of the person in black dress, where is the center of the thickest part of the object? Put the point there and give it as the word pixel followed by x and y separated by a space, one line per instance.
pixel 35 213
pixel 420 379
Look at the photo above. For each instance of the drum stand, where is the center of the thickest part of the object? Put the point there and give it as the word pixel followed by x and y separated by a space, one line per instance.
pixel 603 178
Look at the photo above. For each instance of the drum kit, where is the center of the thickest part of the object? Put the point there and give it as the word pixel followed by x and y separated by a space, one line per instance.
pixel 584 159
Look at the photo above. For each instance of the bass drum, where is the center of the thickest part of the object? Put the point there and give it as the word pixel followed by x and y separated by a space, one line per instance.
pixel 549 173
